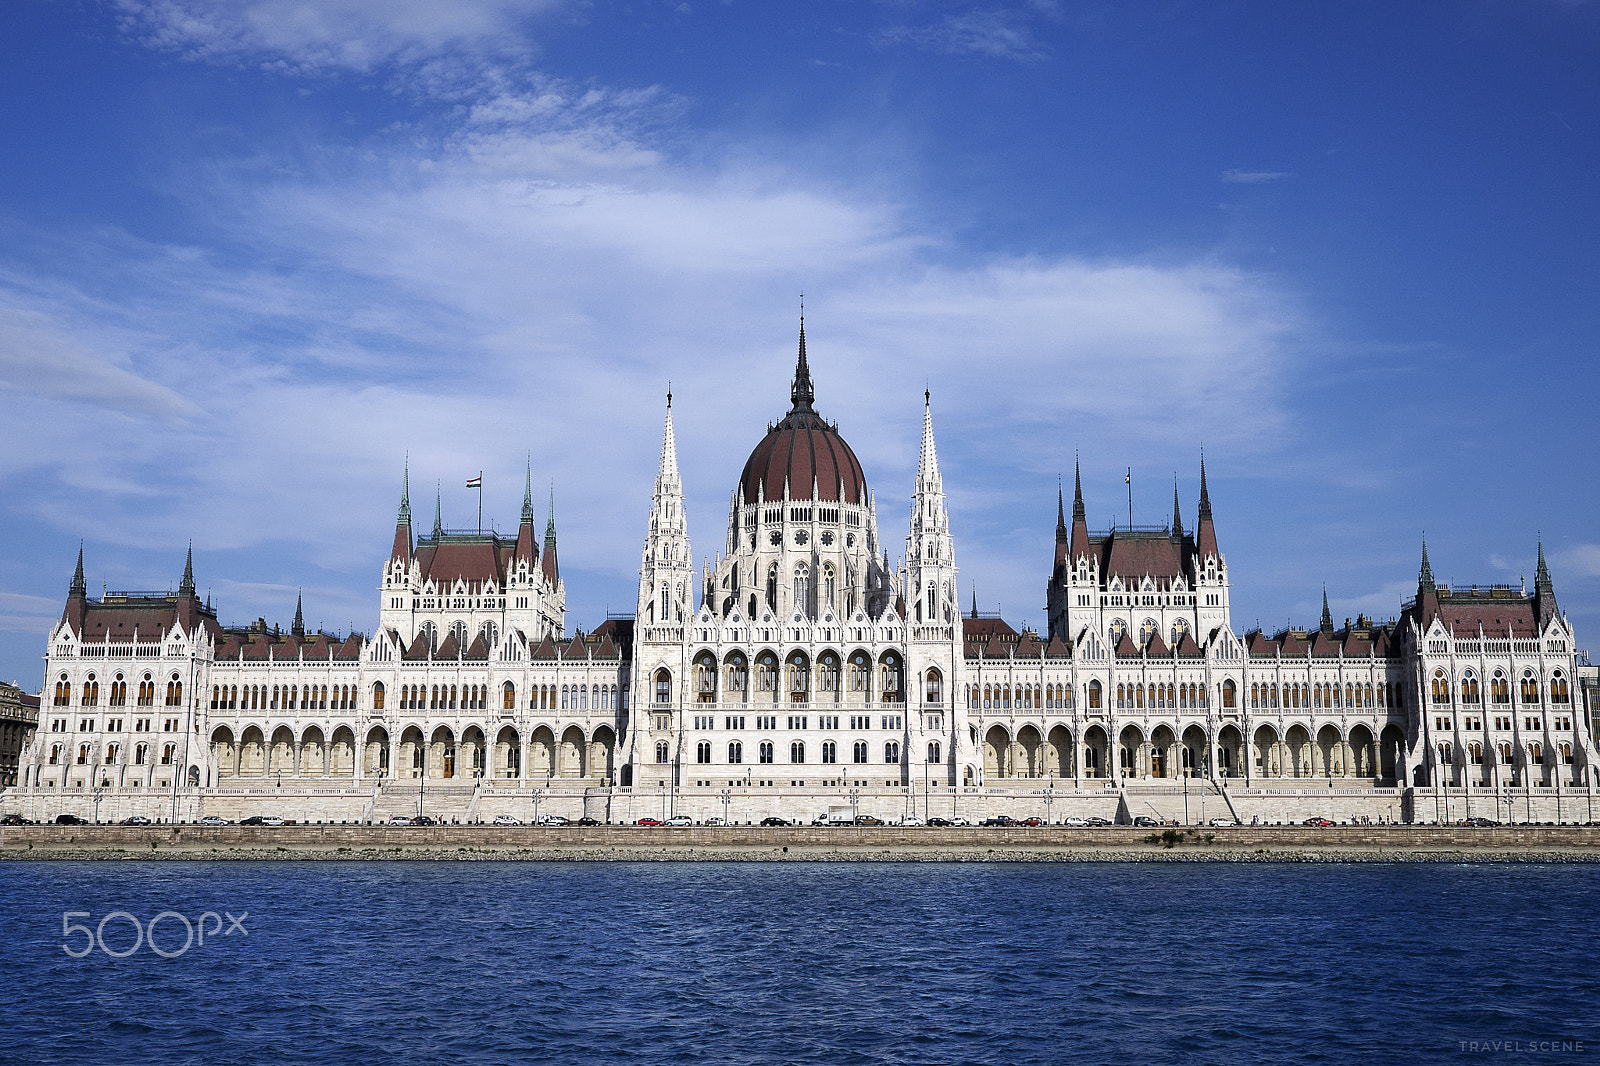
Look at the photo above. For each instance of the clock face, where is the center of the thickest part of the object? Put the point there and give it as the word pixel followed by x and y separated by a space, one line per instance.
pixel 776 538
pixel 827 539
pixel 801 536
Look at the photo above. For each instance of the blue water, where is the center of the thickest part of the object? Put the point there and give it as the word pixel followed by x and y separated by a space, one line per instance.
pixel 801 963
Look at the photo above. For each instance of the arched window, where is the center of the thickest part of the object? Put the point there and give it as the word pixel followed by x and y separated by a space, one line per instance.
pixel 377 695
pixel 802 586
pixel 934 686
pixel 858 672
pixel 1475 753
pixel 663 687
pixel 828 585
pixel 891 753
pixel 91 692
pixel 1094 695
pixel 735 752
pixel 767 672
pixel 666 607
pixel 889 678
pixel 508 697
pixel 1530 688
pixel 828 672
pixel 797 751
pixel 858 751
pixel 772 587
pixel 830 751
pixel 1559 693
pixel 1469 689
pixel 765 751
pixel 934 754
pixel 702 751
pixel 1499 688
pixel 661 751
pixel 738 673
pixel 1228 690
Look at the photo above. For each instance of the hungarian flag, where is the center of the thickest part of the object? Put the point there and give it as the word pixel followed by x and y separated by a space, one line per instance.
pixel 475 482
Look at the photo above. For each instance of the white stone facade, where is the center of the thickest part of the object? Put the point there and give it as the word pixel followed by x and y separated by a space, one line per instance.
pixel 809 673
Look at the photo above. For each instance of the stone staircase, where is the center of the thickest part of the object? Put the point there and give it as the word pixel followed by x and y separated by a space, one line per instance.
pixel 1165 802
pixel 445 802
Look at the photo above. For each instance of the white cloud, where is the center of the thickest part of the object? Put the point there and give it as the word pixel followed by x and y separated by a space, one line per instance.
pixel 1576 561
pixel 1254 177
pixel 311 35
pixel 38 361
pixel 995 33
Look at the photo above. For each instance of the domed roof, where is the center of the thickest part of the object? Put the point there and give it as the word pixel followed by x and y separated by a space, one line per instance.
pixel 801 448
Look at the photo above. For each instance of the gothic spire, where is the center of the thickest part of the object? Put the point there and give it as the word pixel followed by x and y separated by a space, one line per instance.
pixel 1425 578
pixel 299 627
pixel 1177 516
pixel 1544 590
pixel 186 586
pixel 548 562
pixel 1079 546
pixel 1061 515
pixel 801 392
pixel 1205 496
pixel 405 495
pixel 928 462
pixel 1205 532
pixel 1327 616
pixel 527 496
pixel 78 587
pixel 438 512
pixel 1077 491
pixel 667 474
pixel 550 523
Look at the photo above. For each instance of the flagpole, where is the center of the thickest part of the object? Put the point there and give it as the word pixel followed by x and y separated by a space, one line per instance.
pixel 480 503
pixel 1129 480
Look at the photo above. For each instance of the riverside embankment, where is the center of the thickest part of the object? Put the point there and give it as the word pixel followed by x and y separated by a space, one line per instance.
pixel 806 843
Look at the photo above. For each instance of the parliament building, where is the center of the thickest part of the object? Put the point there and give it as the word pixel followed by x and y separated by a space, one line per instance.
pixel 805 672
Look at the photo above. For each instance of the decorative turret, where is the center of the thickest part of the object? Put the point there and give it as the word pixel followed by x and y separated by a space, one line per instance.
pixel 666 574
pixel 79 587
pixel 438 513
pixel 186 586
pixel 402 522
pixel 1427 591
pixel 1177 514
pixel 527 551
pixel 1544 591
pixel 77 607
pixel 1080 523
pixel 299 627
pixel 930 553
pixel 1327 616
pixel 552 571
pixel 1205 532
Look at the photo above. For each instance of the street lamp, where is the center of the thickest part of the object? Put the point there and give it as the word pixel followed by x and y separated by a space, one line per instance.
pixel 727 794
pixel 855 810
pixel 1049 799
pixel 99 790
pixel 537 794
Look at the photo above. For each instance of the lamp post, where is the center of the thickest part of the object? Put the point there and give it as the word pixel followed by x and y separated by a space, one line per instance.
pixel 727 794
pixel 855 809
pixel 536 794
pixel 1049 800
pixel 99 791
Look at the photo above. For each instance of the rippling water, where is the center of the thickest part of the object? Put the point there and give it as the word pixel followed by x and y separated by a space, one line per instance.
pixel 831 963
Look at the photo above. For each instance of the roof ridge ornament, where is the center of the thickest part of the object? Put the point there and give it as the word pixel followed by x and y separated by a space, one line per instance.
pixel 802 394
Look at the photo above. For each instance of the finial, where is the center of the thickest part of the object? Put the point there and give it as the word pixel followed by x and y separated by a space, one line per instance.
pixel 669 392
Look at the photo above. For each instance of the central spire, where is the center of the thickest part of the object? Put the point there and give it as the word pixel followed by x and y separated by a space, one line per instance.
pixel 801 393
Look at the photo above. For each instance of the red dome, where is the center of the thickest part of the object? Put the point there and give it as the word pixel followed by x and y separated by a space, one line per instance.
pixel 801 448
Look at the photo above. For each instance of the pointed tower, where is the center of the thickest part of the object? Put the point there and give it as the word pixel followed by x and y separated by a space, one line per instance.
pixel 930 553
pixel 666 573
pixel 1544 591
pixel 526 556
pixel 438 513
pixel 299 627
pixel 1326 626
pixel 1427 591
pixel 186 586
pixel 1205 532
pixel 401 552
pixel 1177 512
pixel 77 607
pixel 551 568
pixel 1080 523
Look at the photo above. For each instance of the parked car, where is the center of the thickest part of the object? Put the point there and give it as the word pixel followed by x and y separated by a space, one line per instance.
pixel 1317 822
pixel 679 820
pixel 214 819
pixel 940 823
pixel 776 821
pixel 256 819
pixel 649 821
pixel 70 819
pixel 135 819
pixel 274 820
pixel 867 819
pixel 1036 820
pixel 909 819
pixel 999 820
pixel 15 819
pixel 586 820
pixel 1222 823
pixel 1144 821
pixel 423 819
pixel 1075 821
pixel 506 819
pixel 554 819
pixel 959 821
pixel 1098 821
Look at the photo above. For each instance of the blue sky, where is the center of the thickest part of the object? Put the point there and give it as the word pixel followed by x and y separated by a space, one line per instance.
pixel 253 253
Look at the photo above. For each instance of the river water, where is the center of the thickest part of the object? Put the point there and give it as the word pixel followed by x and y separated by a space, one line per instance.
pixel 836 963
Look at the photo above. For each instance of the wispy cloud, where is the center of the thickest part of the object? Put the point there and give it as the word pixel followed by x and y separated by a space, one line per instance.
pixel 1576 561
pixel 1254 177
pixel 996 33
